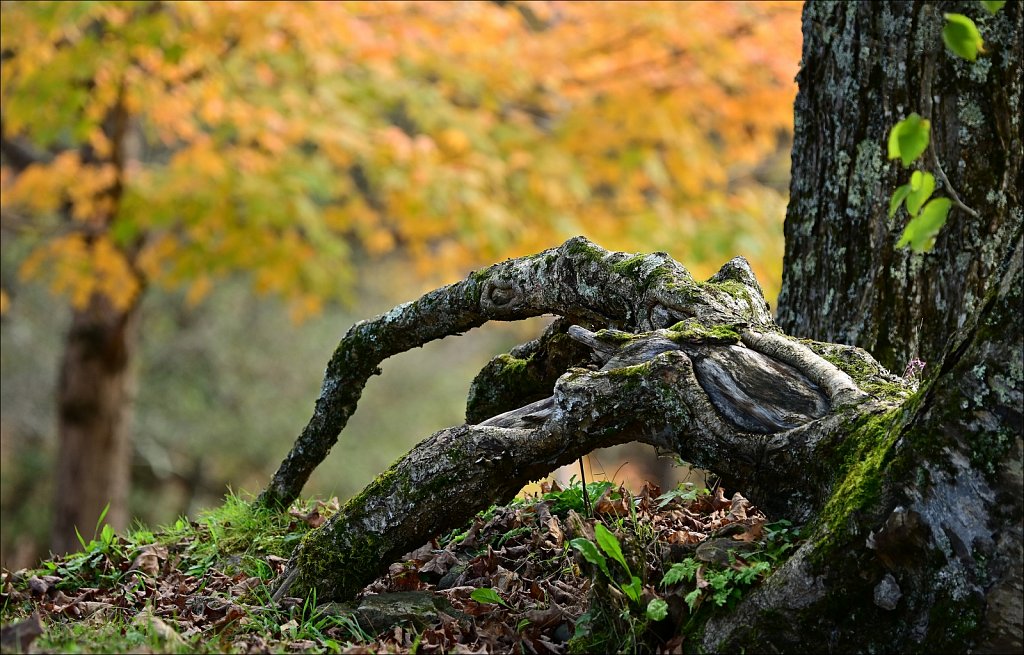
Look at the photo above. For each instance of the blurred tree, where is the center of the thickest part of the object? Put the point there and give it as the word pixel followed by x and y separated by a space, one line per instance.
pixel 172 144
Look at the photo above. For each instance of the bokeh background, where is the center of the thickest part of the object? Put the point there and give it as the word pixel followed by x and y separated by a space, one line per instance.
pixel 251 178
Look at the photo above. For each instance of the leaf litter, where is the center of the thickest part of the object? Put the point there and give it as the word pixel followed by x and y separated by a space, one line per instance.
pixel 507 582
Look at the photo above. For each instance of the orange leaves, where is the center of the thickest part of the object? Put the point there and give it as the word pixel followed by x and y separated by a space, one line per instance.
pixel 77 267
pixel 41 187
pixel 276 134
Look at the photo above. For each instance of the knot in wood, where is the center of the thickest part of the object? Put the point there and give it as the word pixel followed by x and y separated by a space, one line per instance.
pixel 499 293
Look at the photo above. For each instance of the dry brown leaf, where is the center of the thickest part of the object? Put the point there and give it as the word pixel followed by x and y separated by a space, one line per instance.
pixel 685 537
pixel 754 532
pixel 440 562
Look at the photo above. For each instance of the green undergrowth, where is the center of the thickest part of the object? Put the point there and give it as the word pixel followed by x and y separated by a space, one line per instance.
pixel 660 604
pixel 99 598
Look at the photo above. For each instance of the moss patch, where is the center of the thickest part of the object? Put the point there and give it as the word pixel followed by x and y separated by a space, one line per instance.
pixel 867 373
pixel 692 331
pixel 861 460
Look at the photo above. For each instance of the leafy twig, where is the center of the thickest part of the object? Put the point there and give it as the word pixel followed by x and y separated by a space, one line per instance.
pixel 949 187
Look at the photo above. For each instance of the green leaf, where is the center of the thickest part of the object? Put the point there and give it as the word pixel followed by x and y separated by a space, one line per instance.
pixel 657 609
pixel 922 184
pixel 486 595
pixel 909 138
pixel 591 554
pixel 634 589
pixel 993 6
pixel 81 539
pixel 692 598
pixel 610 545
pixel 961 36
pixel 921 231
pixel 898 196
pixel 685 570
pixel 107 535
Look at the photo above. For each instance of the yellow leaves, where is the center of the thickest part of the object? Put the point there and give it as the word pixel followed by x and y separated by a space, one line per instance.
pixel 305 307
pixel 198 290
pixel 90 193
pixel 44 188
pixel 455 132
pixel 379 241
pixel 41 187
pixel 453 142
pixel 155 254
pixel 78 267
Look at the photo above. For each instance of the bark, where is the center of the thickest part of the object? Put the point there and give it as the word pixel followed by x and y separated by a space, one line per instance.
pixel 93 398
pixel 922 541
pixel 925 554
pixel 911 502
pixel 866 66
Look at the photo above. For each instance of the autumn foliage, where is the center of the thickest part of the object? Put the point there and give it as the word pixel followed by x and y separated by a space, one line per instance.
pixel 177 143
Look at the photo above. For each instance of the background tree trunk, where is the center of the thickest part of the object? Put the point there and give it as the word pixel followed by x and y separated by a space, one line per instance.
pixel 865 67
pixel 93 397
pixel 95 381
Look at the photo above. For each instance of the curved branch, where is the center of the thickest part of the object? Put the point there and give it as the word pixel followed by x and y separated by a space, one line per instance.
pixel 578 280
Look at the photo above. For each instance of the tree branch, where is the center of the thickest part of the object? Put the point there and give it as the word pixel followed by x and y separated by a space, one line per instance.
pixel 578 280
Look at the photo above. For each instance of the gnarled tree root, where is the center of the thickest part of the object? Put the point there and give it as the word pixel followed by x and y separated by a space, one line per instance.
pixel 707 376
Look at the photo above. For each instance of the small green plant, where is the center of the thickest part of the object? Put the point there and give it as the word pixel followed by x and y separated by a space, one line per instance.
pixel 609 543
pixel 684 493
pixel 908 140
pixel 572 498
pixel 488 596
pixel 725 584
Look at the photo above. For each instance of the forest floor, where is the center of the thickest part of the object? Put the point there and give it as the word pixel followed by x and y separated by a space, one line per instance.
pixel 549 573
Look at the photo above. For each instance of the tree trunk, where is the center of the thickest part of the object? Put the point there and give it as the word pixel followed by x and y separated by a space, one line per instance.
pixel 931 559
pixel 95 381
pixel 94 398
pixel 865 67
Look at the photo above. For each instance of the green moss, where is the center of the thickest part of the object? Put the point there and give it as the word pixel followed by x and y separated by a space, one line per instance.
pixel 336 570
pixel 506 382
pixel 860 462
pixel 580 247
pixel 692 331
pixel 953 624
pixel 629 267
pixel 614 336
pixel 868 375
pixel 731 288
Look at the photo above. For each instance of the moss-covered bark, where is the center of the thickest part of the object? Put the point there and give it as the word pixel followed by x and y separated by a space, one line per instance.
pixel 920 537
pixel 912 496
pixel 917 547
